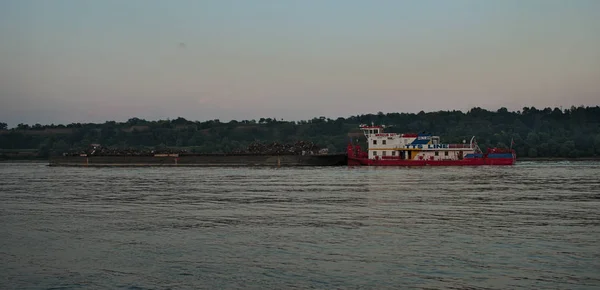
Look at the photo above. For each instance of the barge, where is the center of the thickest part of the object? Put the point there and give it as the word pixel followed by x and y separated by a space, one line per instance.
pixel 300 153
pixel 173 160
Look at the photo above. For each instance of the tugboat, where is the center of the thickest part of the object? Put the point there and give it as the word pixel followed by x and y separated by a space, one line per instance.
pixel 393 149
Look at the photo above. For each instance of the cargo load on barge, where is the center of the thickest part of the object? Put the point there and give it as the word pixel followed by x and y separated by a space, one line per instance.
pixel 257 154
pixel 393 149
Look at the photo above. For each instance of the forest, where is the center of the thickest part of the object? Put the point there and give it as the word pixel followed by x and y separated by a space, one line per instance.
pixel 548 132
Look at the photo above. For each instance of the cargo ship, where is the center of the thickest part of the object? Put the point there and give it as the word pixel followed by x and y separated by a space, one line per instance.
pixel 394 149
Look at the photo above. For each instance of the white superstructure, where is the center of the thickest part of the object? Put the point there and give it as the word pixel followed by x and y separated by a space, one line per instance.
pixel 382 145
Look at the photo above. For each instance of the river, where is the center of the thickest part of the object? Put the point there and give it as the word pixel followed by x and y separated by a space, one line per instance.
pixel 535 225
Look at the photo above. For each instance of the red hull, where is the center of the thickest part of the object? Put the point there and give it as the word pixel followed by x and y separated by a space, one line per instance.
pixel 494 156
pixel 352 161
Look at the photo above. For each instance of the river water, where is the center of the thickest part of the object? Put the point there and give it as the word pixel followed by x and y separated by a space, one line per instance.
pixel 528 226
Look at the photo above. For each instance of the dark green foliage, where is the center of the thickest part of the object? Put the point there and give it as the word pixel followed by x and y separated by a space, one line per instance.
pixel 573 132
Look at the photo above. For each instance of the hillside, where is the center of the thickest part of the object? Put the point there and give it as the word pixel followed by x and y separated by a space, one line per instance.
pixel 573 132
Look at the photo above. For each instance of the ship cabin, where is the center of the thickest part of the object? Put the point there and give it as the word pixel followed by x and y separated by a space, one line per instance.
pixel 382 145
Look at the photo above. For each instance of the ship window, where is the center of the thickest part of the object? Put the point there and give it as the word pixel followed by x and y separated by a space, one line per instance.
pixel 374 142
pixel 383 153
pixel 437 153
pixel 446 153
pixel 383 142
pixel 374 153
pixel 393 153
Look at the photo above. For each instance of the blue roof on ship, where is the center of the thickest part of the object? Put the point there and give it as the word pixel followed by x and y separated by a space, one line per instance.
pixel 420 140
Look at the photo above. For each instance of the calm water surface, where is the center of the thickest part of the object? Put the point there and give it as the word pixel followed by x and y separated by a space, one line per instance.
pixel 532 225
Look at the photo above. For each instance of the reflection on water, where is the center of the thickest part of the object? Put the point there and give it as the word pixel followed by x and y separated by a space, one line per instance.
pixel 533 225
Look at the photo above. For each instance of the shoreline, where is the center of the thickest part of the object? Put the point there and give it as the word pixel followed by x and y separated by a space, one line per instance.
pixel 526 159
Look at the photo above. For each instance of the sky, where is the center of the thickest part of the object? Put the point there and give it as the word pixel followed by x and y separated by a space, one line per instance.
pixel 93 61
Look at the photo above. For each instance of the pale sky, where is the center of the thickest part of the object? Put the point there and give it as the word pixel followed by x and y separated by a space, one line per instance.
pixel 91 61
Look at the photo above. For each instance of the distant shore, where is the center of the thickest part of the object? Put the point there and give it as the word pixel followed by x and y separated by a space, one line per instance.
pixel 537 159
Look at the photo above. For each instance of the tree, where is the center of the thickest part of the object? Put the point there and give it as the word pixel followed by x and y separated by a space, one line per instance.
pixel 567 149
pixel 44 148
pixel 532 152
pixel 22 126
pixel 597 144
pixel 60 147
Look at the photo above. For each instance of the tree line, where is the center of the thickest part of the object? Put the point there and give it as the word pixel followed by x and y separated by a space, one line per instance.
pixel 548 132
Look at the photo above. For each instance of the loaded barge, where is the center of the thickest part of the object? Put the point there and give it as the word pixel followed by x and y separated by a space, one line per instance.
pixel 200 160
pixel 257 154
pixel 393 149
